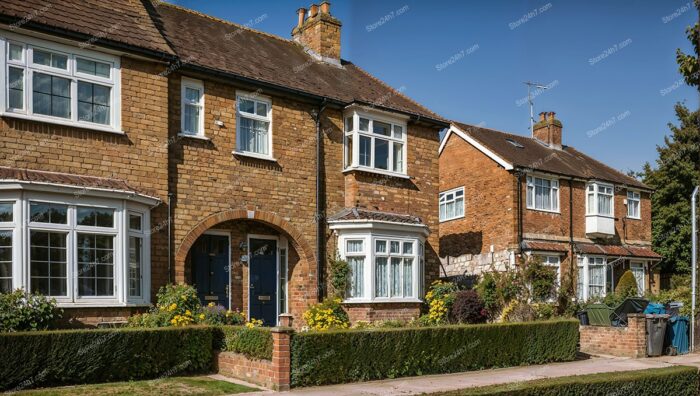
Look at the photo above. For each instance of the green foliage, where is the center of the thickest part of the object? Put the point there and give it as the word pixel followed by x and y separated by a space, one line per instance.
pixel 468 307
pixel 339 276
pixel 178 299
pixel 627 285
pixel 439 298
pixel 91 356
pixel 676 173
pixel 677 381
pixel 541 278
pixel 20 311
pixel 688 64
pixel 680 292
pixel 320 358
pixel 254 342
pixel 216 315
pixel 326 315
pixel 489 292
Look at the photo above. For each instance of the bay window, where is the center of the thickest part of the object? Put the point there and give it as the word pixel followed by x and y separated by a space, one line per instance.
pixel 80 250
pixel 451 204
pixel 253 125
pixel 374 143
pixel 60 84
pixel 599 200
pixel 542 194
pixel 633 205
pixel 355 255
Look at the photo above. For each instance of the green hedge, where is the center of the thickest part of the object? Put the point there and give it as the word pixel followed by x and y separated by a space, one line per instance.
pixel 253 342
pixel 676 381
pixel 43 358
pixel 330 357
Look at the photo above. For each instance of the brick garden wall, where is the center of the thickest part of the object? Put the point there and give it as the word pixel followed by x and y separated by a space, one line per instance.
pixel 627 341
pixel 404 312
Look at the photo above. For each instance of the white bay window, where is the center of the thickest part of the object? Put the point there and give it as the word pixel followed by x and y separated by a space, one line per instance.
pixel 374 143
pixel 58 83
pixel 600 210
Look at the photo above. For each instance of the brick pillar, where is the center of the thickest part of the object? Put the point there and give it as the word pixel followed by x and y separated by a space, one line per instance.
pixel 637 330
pixel 281 357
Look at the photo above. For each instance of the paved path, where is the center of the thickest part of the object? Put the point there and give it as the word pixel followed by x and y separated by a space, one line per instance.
pixel 447 382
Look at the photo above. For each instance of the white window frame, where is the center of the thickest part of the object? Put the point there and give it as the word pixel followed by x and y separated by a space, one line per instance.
pixel 444 200
pixel 360 254
pixel 596 193
pixel 256 98
pixel 583 262
pixel 72 52
pixel 199 86
pixel 639 264
pixel 369 246
pixel 531 193
pixel 634 196
pixel 22 227
pixel 355 133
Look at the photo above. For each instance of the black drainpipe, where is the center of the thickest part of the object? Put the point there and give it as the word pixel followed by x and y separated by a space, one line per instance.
pixel 320 204
pixel 520 211
pixel 571 233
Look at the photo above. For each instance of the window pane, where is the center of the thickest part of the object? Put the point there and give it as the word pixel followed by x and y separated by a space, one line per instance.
pixel 365 151
pixel 95 217
pixel 191 95
pixel 348 124
pixel 408 277
pixel 395 247
pixel 48 213
pixel 93 102
pixel 47 58
pixel 95 264
pixel 42 57
pixel 396 276
pixel 254 136
pixel 5 261
pixel 381 154
pixel 355 246
pixel 398 132
pixel 47 254
pixel 459 207
pixel 93 68
pixel 191 119
pixel 364 124
pixel 381 128
pixel 381 280
pixel 134 222
pixel 604 205
pixel 135 262
pixel 398 157
pixel 380 246
pixel 16 88
pixel 246 106
pixel 408 248
pixel 348 151
pixel 51 95
pixel 443 211
pixel 6 211
pixel 15 52
pixel 356 276
pixel 261 109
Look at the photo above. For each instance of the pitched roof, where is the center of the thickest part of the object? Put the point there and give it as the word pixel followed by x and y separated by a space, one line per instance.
pixel 351 214
pixel 8 174
pixel 101 22
pixel 202 40
pixel 528 153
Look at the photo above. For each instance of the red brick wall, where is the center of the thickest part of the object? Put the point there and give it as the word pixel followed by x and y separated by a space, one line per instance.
pixel 627 341
pixel 404 312
pixel 236 365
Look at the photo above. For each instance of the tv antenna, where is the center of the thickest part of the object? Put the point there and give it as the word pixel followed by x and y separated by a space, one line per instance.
pixel 531 84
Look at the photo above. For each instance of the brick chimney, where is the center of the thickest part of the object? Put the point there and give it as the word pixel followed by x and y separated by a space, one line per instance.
pixel 548 130
pixel 319 32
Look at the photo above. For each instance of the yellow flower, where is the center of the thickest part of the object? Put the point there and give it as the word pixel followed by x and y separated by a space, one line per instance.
pixel 201 316
pixel 211 304
pixel 184 297
pixel 188 312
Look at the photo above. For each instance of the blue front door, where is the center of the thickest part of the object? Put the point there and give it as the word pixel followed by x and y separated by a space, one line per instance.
pixel 263 280
pixel 210 269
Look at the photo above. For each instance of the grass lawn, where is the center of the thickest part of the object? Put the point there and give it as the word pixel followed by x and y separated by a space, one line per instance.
pixel 191 386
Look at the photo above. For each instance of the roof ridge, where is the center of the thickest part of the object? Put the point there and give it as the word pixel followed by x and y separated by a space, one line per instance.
pixel 396 92
pixel 607 166
pixel 219 20
pixel 492 129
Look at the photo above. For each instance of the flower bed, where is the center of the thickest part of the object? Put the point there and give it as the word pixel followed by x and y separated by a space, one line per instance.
pixel 336 356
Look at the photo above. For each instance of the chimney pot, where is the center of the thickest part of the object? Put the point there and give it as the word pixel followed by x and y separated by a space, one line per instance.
pixel 326 7
pixel 301 13
pixel 313 10
pixel 551 115
pixel 543 116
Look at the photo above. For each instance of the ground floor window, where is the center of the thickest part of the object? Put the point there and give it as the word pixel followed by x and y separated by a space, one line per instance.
pixel 553 262
pixel 593 277
pixel 75 248
pixel 637 269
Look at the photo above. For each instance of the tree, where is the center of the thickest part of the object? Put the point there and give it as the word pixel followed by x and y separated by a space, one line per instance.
pixel 627 286
pixel 688 65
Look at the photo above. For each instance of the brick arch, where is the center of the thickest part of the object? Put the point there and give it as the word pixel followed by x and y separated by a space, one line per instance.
pixel 296 237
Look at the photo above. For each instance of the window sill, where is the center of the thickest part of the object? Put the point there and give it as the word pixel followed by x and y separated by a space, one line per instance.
pixel 377 171
pixel 97 304
pixel 190 136
pixel 634 218
pixel 383 301
pixel 451 218
pixel 253 155
pixel 50 120
pixel 599 215
pixel 545 211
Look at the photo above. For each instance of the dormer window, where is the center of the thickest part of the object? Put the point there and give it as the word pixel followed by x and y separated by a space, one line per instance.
pixel 374 143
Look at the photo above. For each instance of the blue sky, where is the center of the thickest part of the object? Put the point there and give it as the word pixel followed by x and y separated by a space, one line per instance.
pixel 610 65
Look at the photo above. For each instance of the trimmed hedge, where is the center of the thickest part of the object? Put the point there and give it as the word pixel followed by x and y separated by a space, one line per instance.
pixel 253 342
pixel 330 357
pixel 676 381
pixel 45 358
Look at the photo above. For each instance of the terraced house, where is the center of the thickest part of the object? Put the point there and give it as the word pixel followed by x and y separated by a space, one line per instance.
pixel 504 197
pixel 142 143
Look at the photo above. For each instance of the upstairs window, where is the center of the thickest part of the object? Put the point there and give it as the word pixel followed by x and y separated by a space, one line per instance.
pixel 542 194
pixel 599 200
pixel 452 204
pixel 254 121
pixel 375 144
pixel 634 205
pixel 192 107
pixel 59 84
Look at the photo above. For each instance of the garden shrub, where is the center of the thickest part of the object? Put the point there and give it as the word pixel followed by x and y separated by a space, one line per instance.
pixel 541 279
pixel 439 298
pixel 676 381
pixel 339 276
pixel 488 290
pixel 326 315
pixel 253 342
pixel 337 356
pixel 20 311
pixel 627 285
pixel 518 311
pixel 468 307
pixel 44 358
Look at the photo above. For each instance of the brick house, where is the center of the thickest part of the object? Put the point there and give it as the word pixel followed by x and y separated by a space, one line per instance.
pixel 505 196
pixel 142 143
